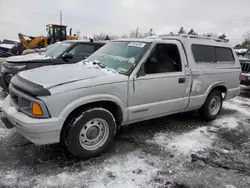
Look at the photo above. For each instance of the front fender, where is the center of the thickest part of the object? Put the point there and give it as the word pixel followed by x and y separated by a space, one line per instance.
pixel 93 98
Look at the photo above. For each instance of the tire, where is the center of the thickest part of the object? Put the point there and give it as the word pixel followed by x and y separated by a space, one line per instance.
pixel 212 106
pixel 90 133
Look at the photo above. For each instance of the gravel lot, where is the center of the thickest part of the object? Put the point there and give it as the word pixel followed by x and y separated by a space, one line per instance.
pixel 178 151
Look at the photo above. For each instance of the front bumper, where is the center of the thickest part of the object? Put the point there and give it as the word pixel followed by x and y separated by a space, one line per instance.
pixel 245 79
pixel 3 82
pixel 38 131
pixel 6 76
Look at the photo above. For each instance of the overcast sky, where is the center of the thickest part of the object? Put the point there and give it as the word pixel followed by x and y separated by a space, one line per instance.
pixel 122 16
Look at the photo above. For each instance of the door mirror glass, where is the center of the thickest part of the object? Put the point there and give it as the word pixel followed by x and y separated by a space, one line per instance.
pixel 67 56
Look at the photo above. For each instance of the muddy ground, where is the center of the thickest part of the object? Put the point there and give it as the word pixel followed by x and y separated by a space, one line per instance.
pixel 179 151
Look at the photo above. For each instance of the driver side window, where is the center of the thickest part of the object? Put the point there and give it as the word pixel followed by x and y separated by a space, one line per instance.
pixel 82 50
pixel 164 58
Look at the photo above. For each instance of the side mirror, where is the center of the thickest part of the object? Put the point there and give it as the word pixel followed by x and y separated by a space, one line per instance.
pixel 141 72
pixel 67 56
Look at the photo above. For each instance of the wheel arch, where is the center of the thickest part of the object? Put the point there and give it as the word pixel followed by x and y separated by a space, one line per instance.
pixel 110 103
pixel 221 86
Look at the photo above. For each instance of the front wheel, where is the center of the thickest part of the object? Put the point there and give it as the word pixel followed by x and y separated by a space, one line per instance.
pixel 90 133
pixel 212 106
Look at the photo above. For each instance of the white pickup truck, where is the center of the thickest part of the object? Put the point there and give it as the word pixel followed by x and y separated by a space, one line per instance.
pixel 126 81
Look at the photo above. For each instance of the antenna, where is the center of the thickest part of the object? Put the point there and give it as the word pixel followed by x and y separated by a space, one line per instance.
pixel 60 17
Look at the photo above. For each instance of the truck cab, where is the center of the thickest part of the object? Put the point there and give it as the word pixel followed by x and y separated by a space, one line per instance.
pixel 57 33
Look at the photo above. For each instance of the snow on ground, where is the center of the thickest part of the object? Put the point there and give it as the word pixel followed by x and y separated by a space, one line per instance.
pixel 152 155
pixel 240 108
pixel 1 103
pixel 119 171
pixel 193 141
pixel 201 138
pixel 186 143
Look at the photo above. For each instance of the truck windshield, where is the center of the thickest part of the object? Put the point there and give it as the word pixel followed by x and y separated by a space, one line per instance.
pixel 248 52
pixel 57 49
pixel 121 56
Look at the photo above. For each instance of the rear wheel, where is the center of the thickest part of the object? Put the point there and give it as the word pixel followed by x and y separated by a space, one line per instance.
pixel 90 133
pixel 212 106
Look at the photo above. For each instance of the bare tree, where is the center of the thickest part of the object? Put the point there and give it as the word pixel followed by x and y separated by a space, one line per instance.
pixel 192 32
pixel 124 36
pixel 246 41
pixel 135 34
pixel 247 36
pixel 104 36
pixel 182 31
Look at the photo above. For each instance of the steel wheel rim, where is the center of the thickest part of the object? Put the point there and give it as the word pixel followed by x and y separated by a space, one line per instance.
pixel 94 134
pixel 214 106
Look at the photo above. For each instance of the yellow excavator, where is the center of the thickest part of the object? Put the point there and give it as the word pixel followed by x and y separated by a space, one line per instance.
pixel 55 33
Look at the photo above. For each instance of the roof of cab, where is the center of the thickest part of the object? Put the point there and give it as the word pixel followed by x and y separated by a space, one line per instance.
pixel 185 39
pixel 84 41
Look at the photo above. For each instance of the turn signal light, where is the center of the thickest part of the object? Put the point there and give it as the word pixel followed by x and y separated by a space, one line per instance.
pixel 36 109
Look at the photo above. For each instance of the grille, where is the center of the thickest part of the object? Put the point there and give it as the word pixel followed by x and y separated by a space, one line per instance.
pixel 245 67
pixel 8 78
pixel 14 99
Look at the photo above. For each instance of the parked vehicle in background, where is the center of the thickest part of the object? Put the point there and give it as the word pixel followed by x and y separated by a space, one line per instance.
pixel 6 45
pixel 126 81
pixel 245 69
pixel 241 52
pixel 247 54
pixel 66 52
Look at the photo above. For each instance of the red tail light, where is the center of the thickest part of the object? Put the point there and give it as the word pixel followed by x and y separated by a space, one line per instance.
pixel 240 75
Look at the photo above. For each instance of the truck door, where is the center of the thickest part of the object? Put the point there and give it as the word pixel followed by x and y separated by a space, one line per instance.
pixel 158 83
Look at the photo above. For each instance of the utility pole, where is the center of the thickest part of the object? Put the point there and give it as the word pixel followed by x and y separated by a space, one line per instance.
pixel 60 17
pixel 136 34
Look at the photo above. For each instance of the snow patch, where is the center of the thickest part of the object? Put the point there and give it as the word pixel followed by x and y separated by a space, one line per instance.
pixel 3 132
pixel 1 103
pixel 230 105
pixel 94 65
pixel 229 123
pixel 241 100
pixel 8 178
pixel 187 143
pixel 128 170
pixel 27 57
pixel 121 173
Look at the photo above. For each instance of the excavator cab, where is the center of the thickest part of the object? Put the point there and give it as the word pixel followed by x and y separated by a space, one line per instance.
pixel 56 33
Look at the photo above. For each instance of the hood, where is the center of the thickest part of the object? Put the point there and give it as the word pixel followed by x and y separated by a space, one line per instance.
pixel 27 58
pixel 52 76
pixel 244 60
pixel 7 46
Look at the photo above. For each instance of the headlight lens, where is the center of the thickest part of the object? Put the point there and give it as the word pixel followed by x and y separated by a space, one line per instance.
pixel 13 66
pixel 18 66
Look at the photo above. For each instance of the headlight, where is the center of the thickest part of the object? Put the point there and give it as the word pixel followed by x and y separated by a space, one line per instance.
pixel 18 66
pixel 13 66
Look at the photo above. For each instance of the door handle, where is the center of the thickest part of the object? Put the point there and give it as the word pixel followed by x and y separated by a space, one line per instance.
pixel 182 80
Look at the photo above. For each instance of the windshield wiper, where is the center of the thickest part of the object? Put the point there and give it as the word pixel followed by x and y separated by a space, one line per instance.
pixel 99 64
